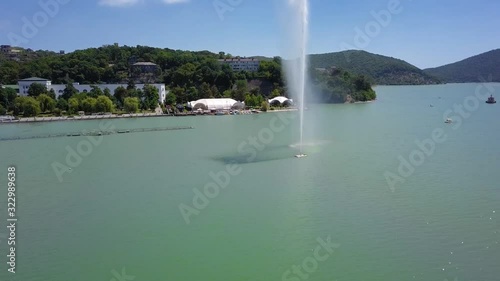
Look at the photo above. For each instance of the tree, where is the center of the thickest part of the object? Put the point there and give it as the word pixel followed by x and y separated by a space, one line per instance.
pixel 89 105
pixel 69 91
pixel 107 93
pixel 205 91
pixel 131 105
pixel 171 99
pixel 264 106
pixel 95 92
pixel 250 100
pixel 215 91
pixel 46 103
pixel 192 94
pixel 73 105
pixel 120 94
pixel 275 93
pixel 9 72
pixel 241 90
pixel 180 94
pixel 103 104
pixel 62 104
pixel 3 111
pixel 227 94
pixel 151 97
pixel 131 85
pixel 29 106
pixel 184 75
pixel 52 94
pixel 37 89
pixel 7 97
pixel 255 91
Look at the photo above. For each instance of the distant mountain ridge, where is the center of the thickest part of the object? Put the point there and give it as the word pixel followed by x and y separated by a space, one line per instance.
pixel 381 70
pixel 478 68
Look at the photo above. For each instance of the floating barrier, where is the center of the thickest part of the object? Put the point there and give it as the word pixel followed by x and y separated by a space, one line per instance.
pixel 97 133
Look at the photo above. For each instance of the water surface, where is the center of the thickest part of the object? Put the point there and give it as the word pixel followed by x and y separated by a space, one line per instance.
pixel 119 208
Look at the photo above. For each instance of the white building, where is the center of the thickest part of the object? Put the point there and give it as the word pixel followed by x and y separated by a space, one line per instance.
pixel 59 88
pixel 242 64
pixel 25 84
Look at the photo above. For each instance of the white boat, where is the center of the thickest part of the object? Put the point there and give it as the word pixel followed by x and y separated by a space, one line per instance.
pixel 302 155
pixel 448 121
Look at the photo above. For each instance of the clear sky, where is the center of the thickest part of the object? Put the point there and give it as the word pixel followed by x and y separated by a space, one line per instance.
pixel 425 33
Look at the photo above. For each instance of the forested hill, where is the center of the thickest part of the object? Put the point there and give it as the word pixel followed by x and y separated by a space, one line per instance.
pixel 188 75
pixel 473 69
pixel 381 70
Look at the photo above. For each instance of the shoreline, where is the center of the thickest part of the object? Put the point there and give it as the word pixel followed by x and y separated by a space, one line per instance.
pixel 78 118
pixel 25 120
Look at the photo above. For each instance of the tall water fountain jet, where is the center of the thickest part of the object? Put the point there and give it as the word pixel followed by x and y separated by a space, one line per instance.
pixel 296 69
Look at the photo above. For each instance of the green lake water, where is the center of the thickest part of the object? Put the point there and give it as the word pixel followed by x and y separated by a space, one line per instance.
pixel 118 210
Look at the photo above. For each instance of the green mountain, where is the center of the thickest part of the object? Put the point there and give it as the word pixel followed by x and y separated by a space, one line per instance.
pixel 381 70
pixel 474 69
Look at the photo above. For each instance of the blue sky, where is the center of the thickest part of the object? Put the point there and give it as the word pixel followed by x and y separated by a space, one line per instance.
pixel 425 33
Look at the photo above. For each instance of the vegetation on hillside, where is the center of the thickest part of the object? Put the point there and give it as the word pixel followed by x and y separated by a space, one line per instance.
pixel 188 75
pixel 480 68
pixel 380 70
pixel 338 85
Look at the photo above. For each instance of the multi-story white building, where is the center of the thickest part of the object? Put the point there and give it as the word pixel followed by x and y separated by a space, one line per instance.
pixel 242 64
pixel 25 84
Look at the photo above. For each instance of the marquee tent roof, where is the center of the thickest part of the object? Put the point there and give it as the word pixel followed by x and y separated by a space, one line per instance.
pixel 216 103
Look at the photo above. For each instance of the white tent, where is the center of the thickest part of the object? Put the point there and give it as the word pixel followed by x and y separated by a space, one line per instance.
pixel 281 100
pixel 216 104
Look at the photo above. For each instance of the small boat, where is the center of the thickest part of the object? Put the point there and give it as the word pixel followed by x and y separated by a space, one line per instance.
pixel 302 155
pixel 448 121
pixel 491 100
